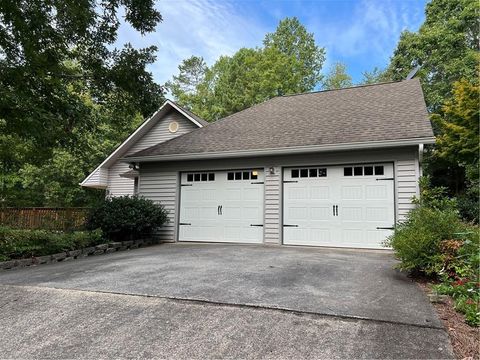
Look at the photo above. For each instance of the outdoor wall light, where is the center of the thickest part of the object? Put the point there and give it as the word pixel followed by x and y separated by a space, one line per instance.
pixel 271 170
pixel 134 166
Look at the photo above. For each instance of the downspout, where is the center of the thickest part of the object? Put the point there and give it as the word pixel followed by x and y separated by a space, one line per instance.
pixel 420 159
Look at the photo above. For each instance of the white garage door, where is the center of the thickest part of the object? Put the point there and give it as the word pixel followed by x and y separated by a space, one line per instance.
pixel 222 206
pixel 345 206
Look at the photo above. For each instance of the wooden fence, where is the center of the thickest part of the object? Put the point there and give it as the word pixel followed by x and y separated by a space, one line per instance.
pixel 44 218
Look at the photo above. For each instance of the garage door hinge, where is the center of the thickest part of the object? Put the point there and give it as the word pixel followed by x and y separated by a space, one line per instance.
pixel 184 224
pixel 290 181
pixel 256 224
pixel 286 225
pixel 186 184
pixel 257 182
pixel 385 179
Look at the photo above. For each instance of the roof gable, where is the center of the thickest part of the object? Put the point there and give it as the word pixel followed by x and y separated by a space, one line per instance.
pixel 98 177
pixel 386 112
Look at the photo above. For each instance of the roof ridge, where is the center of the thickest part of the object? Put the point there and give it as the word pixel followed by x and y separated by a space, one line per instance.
pixel 346 88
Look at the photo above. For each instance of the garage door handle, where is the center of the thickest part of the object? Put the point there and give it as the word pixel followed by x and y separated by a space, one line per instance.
pixel 257 182
pixel 385 228
pixel 286 225
pixel 335 210
pixel 184 224
pixel 385 179
pixel 256 224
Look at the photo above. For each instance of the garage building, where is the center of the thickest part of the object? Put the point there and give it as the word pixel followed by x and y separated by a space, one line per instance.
pixel 331 168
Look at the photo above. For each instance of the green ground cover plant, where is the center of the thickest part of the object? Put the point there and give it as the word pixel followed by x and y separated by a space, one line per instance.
pixel 20 243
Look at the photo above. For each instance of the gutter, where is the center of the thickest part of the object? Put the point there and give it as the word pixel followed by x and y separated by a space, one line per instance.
pixel 282 151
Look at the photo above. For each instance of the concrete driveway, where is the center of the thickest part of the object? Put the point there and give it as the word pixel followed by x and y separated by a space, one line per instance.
pixel 208 300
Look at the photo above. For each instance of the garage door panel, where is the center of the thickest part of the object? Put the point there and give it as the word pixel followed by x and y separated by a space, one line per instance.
pixel 319 192
pixel 352 213
pixel 297 193
pixel 377 214
pixel 321 213
pixel 345 207
pixel 376 192
pixel 297 213
pixel 219 208
pixel 352 193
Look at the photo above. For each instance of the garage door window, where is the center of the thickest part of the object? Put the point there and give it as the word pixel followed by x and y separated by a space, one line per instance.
pixel 201 177
pixel 242 175
pixel 368 170
pixel 312 173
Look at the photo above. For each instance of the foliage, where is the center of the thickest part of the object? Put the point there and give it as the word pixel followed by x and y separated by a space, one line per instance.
pixel 67 95
pixel 459 128
pixel 417 240
pixel 16 243
pixel 304 58
pixel 337 78
pixel 374 77
pixel 469 201
pixel 445 46
pixel 458 144
pixel 126 218
pixel 433 241
pixel 460 277
pixel 289 62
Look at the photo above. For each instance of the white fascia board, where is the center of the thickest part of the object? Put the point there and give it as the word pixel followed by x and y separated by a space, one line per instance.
pixel 180 110
pixel 133 137
pixel 283 151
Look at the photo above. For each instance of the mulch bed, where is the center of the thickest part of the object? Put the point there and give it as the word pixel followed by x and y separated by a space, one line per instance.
pixel 465 339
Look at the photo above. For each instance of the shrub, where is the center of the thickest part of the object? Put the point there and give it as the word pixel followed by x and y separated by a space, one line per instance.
pixel 417 241
pixel 15 243
pixel 126 218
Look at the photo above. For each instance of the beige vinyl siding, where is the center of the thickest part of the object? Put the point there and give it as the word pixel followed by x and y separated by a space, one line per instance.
pixel 407 185
pixel 161 187
pixel 118 186
pixel 98 178
pixel 158 181
pixel 160 133
pixel 273 188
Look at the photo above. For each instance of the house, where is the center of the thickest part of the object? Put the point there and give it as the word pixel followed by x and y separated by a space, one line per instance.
pixel 330 168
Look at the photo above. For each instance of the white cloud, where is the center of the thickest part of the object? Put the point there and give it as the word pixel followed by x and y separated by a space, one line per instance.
pixel 203 27
pixel 370 29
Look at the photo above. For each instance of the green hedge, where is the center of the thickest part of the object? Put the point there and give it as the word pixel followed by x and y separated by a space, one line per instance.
pixel 16 244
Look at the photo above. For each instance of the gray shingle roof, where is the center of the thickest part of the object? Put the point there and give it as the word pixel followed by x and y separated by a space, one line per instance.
pixel 381 112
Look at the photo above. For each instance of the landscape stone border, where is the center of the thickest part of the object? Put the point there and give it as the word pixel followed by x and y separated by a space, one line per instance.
pixel 76 254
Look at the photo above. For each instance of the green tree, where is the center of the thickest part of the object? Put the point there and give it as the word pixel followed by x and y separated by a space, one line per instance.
pixel 305 58
pixel 445 46
pixel 337 78
pixel 289 62
pixel 191 73
pixel 374 77
pixel 459 139
pixel 66 94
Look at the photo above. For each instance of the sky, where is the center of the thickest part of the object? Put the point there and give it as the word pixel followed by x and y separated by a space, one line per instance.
pixel 360 33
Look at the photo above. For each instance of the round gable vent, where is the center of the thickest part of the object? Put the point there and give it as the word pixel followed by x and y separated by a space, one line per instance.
pixel 173 127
